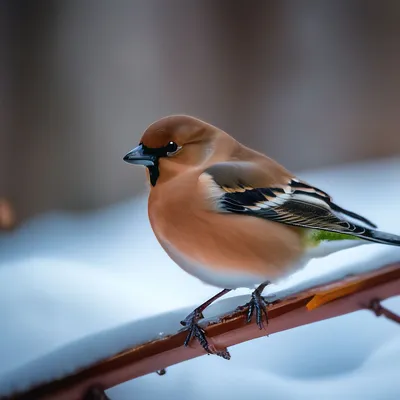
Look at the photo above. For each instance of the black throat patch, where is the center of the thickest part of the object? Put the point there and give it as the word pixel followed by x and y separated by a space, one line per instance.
pixel 154 172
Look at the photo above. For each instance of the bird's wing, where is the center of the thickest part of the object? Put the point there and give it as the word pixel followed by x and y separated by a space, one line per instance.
pixel 235 187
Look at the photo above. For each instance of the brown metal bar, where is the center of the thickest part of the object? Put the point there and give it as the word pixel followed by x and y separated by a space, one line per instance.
pixel 95 393
pixel 379 310
pixel 232 329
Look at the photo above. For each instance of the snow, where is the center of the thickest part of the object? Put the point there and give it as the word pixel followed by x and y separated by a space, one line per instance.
pixel 77 288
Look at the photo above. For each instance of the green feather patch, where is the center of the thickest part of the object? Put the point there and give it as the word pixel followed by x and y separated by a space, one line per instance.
pixel 315 236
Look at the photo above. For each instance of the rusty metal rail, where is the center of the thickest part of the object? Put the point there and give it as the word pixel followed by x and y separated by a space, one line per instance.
pixel 364 291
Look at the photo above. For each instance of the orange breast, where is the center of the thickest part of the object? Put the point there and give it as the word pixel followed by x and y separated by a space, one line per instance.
pixel 221 241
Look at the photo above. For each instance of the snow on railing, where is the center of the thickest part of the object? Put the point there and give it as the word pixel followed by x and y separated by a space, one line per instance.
pixel 362 290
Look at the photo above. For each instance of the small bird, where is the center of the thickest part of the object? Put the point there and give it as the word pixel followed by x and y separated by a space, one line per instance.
pixel 233 217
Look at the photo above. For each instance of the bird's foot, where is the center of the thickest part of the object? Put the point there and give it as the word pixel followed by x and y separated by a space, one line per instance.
pixel 196 331
pixel 259 305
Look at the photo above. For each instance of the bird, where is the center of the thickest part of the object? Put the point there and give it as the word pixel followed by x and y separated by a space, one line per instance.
pixel 233 217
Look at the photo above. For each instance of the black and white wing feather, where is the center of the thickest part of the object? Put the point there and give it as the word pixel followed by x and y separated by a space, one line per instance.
pixel 296 203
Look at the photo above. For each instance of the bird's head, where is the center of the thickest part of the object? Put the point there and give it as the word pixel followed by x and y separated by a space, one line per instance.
pixel 172 144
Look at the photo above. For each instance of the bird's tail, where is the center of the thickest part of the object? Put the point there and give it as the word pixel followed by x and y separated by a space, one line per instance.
pixel 373 235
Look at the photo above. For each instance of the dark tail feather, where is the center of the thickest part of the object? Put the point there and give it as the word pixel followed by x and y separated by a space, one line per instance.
pixel 351 214
pixel 380 237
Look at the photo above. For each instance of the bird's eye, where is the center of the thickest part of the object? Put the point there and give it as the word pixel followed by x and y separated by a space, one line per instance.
pixel 172 148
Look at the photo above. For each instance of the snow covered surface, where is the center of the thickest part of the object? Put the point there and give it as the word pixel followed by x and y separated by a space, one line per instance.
pixel 64 277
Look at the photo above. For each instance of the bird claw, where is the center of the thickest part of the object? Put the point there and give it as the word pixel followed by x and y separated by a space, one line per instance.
pixel 259 305
pixel 193 317
pixel 196 331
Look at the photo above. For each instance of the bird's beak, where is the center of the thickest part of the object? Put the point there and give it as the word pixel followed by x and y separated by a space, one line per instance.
pixel 137 156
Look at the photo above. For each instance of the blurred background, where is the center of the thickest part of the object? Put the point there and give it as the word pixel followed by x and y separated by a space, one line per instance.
pixel 314 84
pixel 311 83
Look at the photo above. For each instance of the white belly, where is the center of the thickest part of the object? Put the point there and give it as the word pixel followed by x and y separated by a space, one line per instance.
pixel 221 278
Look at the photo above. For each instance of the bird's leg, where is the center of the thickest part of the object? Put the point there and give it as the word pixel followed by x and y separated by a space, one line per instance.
pixel 195 331
pixel 259 305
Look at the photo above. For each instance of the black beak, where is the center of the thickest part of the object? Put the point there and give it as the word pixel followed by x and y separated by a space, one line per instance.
pixel 137 156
